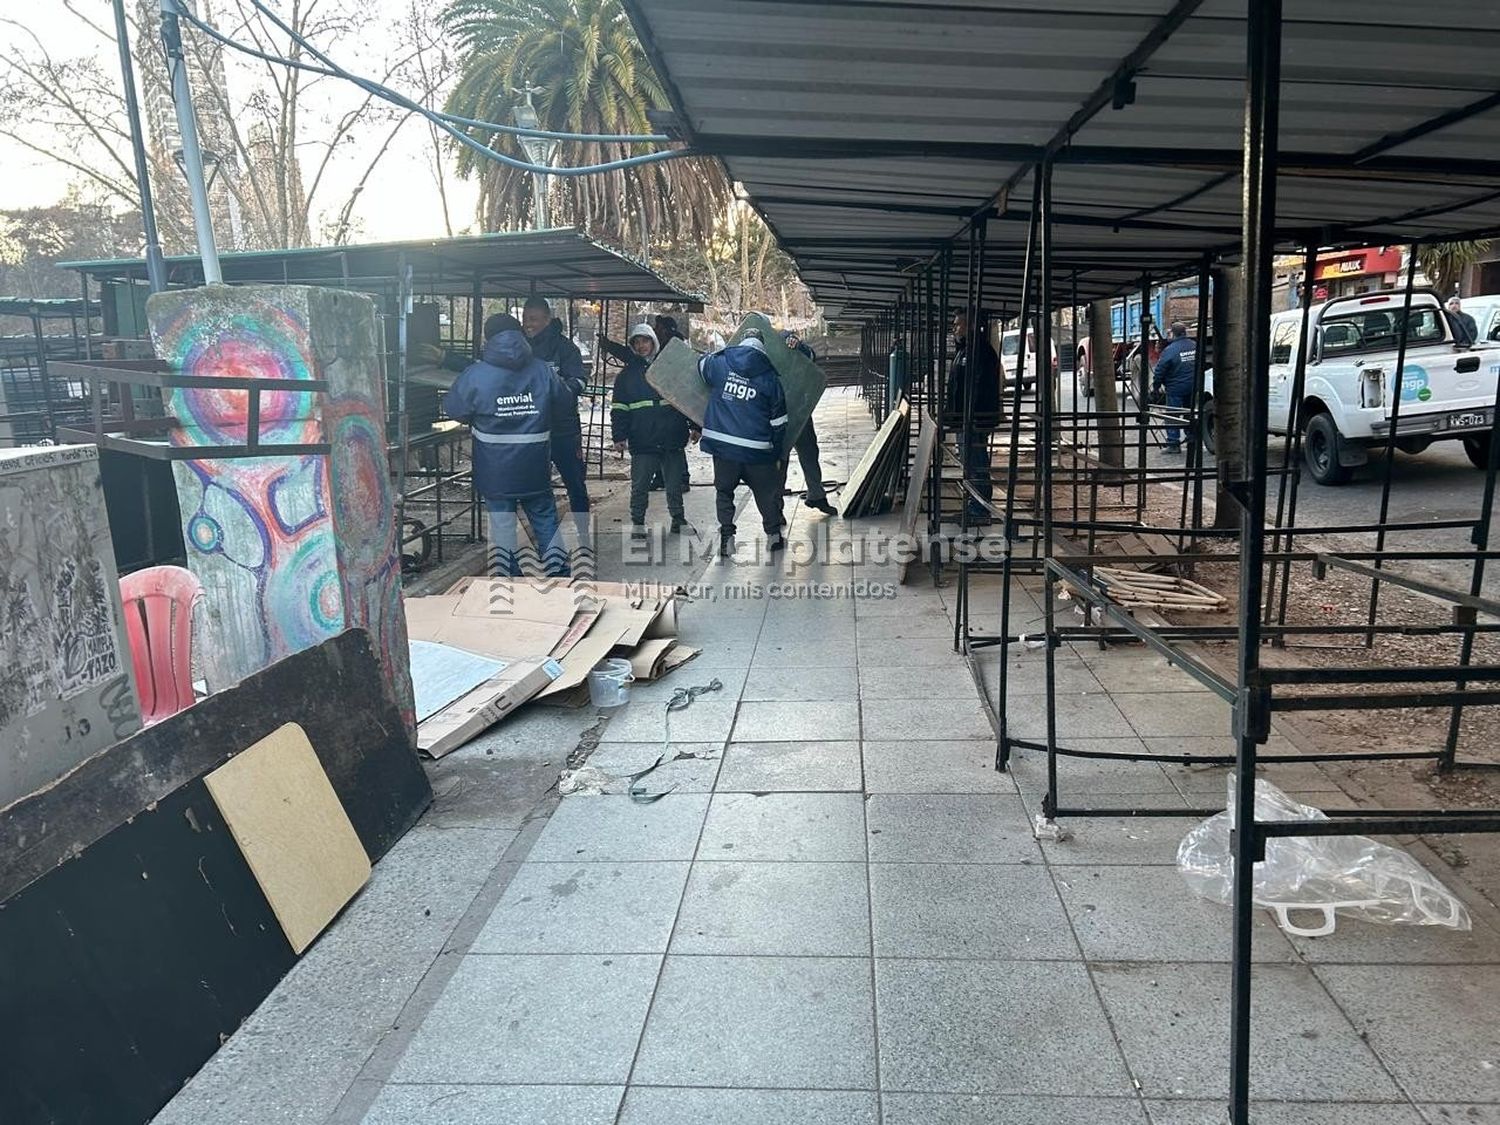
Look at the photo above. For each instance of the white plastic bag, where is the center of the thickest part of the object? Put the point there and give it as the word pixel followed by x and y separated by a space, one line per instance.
pixel 1324 875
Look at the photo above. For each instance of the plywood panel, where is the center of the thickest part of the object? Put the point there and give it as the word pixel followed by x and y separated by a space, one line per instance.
pixel 294 833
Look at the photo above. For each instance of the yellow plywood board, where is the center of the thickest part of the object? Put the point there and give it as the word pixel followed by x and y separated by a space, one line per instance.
pixel 292 830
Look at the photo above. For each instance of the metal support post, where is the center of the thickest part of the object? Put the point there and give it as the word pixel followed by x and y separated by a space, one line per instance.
pixel 1143 413
pixel 1044 445
pixel 1390 441
pixel 1291 480
pixel 1251 717
pixel 192 152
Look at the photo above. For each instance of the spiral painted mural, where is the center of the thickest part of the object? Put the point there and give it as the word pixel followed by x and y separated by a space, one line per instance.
pixel 290 550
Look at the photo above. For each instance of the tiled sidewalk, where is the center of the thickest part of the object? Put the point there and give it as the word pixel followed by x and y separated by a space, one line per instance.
pixel 839 915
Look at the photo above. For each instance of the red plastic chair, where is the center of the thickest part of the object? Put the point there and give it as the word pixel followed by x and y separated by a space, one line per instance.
pixel 158 605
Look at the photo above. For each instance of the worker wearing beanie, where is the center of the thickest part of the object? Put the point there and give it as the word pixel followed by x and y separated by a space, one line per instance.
pixel 655 433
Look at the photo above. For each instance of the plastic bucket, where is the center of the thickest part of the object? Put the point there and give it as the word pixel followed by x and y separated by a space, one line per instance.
pixel 609 683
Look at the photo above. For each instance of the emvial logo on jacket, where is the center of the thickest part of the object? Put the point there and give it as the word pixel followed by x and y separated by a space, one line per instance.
pixel 515 406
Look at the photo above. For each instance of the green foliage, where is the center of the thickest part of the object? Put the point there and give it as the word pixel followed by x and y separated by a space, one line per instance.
pixel 592 76
pixel 1445 263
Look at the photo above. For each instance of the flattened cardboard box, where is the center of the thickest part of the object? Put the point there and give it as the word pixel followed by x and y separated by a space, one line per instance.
pixel 471 715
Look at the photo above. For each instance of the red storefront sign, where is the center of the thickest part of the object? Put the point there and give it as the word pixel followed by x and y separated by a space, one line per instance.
pixel 1359 263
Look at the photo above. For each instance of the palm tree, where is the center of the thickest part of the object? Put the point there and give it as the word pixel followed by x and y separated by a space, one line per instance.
pixel 1445 263
pixel 590 75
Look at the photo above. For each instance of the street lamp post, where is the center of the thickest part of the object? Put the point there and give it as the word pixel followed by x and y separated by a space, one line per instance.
pixel 539 150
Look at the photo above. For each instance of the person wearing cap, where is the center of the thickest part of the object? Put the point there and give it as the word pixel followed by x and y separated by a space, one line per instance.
pixel 1465 330
pixel 548 344
pixel 513 403
pixel 744 428
pixel 655 433
pixel 974 373
pixel 1174 372
pixel 806 444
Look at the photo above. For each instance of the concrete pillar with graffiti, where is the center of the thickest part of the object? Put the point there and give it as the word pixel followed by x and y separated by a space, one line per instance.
pixel 291 550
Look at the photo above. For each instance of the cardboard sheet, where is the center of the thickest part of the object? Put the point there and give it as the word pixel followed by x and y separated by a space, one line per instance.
pixel 441 673
pixel 291 828
pixel 484 706
pixel 503 597
pixel 648 659
pixel 499 636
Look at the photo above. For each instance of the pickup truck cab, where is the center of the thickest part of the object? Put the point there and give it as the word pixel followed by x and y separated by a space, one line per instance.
pixel 1447 390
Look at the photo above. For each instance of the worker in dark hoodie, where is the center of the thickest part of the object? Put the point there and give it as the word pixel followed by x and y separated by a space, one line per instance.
pixel 551 346
pixel 744 427
pixel 514 403
pixel 975 374
pixel 655 433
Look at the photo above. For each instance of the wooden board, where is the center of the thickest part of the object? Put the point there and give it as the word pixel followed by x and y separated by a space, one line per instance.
pixel 852 498
pixel 921 468
pixel 675 376
pixel 293 831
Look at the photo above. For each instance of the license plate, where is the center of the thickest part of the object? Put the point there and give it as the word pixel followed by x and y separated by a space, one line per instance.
pixel 1469 419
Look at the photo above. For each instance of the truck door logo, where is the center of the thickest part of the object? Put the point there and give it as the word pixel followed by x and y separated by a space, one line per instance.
pixel 1414 384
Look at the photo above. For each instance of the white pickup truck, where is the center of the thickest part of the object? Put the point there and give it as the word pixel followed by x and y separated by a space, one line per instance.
pixel 1447 390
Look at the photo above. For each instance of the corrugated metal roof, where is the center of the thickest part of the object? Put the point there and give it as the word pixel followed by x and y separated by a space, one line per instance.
pixel 866 131
pixel 556 263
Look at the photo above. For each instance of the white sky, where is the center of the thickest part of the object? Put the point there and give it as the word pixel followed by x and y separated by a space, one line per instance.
pixel 400 201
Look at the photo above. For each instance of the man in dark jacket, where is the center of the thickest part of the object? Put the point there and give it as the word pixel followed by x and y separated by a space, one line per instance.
pixel 513 403
pixel 655 433
pixel 1174 372
pixel 552 347
pixel 806 444
pixel 981 380
pixel 744 427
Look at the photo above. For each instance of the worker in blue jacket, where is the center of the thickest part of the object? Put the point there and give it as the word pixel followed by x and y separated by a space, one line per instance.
pixel 551 346
pixel 1174 372
pixel 655 433
pixel 806 444
pixel 744 427
pixel 513 403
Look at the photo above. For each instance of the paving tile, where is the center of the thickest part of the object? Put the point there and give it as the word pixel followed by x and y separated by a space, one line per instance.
pixel 933 767
pixel 1027 674
pixel 765 767
pixel 830 720
pixel 1173 1024
pixel 1150 914
pixel 1212 781
pixel 1435 1027
pixel 594 829
pixel 1078 716
pixel 1128 671
pixel 904 627
pixel 910 654
pixel 1080 778
pixel 1285 1113
pixel 707 720
pixel 690 767
pixel 1460 1114
pixel 792 651
pixel 648 1105
pixel 1006 911
pixel 837 681
pixel 958 1027
pixel 1156 714
pixel 1359 942
pixel 894 720
pixel 776 909
pixel 1128 840
pixel 992 1109
pixel 917 599
pixel 420 889
pixel 574 1019
pixel 586 908
pixel 944 828
pixel 699 672
pixel 495 1105
pixel 820 827
pixel 915 681
pixel 785 1022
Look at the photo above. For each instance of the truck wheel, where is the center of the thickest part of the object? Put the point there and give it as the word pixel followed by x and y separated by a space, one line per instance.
pixel 1320 448
pixel 1208 425
pixel 1478 450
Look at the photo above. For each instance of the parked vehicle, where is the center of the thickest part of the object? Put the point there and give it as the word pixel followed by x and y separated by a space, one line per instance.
pixel 1447 390
pixel 1010 350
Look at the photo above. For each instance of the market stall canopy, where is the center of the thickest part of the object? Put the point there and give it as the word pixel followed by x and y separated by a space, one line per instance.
pixel 554 263
pixel 868 132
